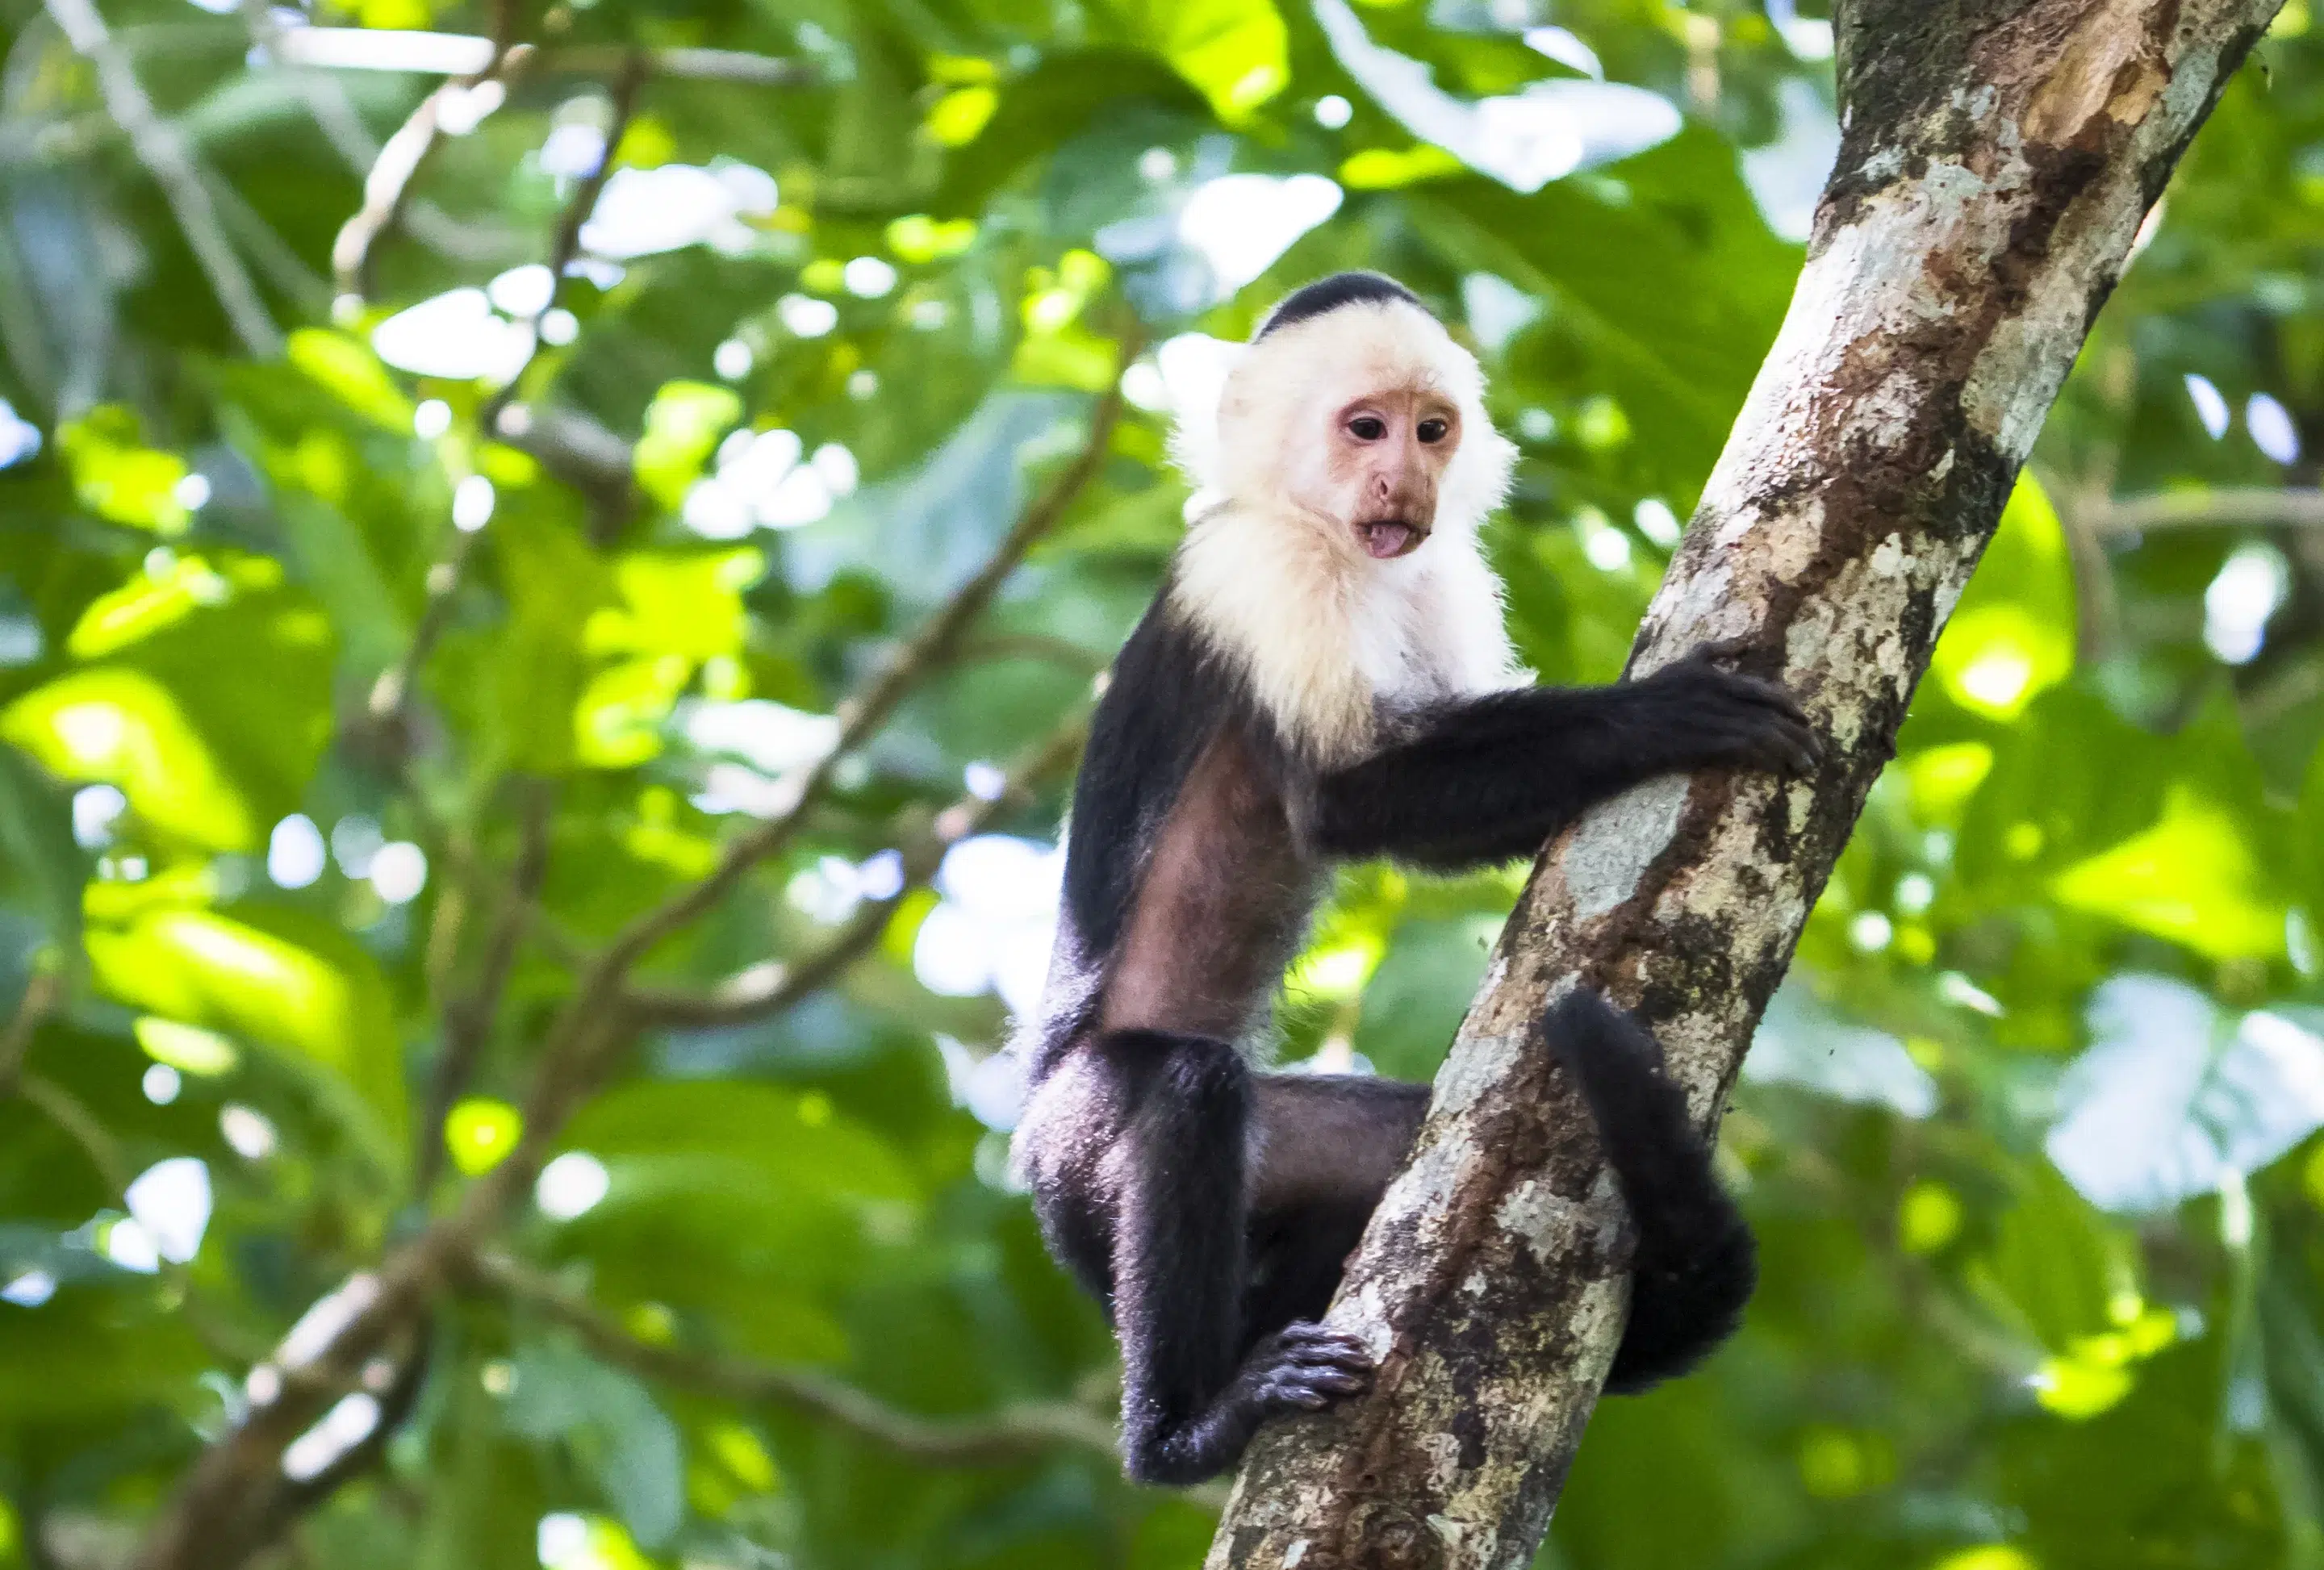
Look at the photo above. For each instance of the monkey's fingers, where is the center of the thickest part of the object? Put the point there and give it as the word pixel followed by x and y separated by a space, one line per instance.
pixel 1309 1368
pixel 1769 696
pixel 1789 747
pixel 1310 1340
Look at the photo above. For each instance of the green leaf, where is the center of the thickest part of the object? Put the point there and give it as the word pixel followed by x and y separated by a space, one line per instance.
pixel 281 981
pixel 122 727
pixel 348 370
pixel 203 754
pixel 2194 878
pixel 554 583
pixel 1235 52
pixel 41 859
pixel 120 478
pixel 613 1426
pixel 684 425
pixel 2011 634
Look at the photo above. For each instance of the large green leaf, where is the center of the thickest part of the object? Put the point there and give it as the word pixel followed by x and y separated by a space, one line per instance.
pixel 280 980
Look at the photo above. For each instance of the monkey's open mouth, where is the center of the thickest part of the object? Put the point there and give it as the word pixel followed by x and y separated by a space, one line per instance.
pixel 1390 538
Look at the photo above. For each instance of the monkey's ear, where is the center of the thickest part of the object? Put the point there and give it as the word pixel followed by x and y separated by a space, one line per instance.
pixel 1194 369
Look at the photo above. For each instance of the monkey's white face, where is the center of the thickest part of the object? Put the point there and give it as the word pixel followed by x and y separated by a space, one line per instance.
pixel 1384 460
pixel 1366 426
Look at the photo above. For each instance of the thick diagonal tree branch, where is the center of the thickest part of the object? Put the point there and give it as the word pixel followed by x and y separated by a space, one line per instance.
pixel 1997 158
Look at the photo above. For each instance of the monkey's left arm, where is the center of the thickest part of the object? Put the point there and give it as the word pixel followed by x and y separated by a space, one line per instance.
pixel 1486 780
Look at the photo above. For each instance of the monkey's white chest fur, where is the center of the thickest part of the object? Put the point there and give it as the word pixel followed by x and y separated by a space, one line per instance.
pixel 1331 642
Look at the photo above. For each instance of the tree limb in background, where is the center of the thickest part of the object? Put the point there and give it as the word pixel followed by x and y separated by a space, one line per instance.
pixel 766 990
pixel 164 152
pixel 390 694
pixel 468 1019
pixel 234 1500
pixel 1010 1433
pixel 2251 506
pixel 455 54
pixel 1958 258
pixel 499 60
pixel 864 714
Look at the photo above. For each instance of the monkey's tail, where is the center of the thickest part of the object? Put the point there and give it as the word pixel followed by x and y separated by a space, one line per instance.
pixel 1696 1264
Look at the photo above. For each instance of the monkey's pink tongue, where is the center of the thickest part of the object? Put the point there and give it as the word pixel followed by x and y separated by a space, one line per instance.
pixel 1386 540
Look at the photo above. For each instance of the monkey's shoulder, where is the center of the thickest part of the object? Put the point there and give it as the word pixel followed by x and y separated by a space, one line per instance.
pixel 1171 697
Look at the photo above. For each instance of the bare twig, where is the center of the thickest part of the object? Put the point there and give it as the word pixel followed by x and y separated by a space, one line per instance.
pixel 454 54
pixel 864 714
pixel 499 59
pixel 1013 1433
pixel 2256 506
pixel 567 244
pixel 391 694
pixel 164 152
pixel 768 989
pixel 45 990
pixel 469 1020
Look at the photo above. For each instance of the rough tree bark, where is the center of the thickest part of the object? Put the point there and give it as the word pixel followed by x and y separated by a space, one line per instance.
pixel 1997 159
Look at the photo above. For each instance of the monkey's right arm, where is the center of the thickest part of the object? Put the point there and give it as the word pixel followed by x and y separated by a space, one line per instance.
pixel 1486 779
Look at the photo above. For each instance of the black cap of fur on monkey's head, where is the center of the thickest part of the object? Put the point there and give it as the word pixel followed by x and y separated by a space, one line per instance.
pixel 1329 294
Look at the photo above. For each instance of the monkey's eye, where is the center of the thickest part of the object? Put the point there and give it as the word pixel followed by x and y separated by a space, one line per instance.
pixel 1367 428
pixel 1434 430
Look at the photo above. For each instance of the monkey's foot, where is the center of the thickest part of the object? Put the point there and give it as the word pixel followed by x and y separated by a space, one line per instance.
pixel 1304 1368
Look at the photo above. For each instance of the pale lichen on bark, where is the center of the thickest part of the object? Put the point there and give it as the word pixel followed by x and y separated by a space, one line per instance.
pixel 1997 158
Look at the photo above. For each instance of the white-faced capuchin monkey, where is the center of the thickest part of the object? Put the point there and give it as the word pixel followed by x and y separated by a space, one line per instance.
pixel 1324 676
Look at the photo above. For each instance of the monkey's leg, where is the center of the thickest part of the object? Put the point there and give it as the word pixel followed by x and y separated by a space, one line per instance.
pixel 1489 778
pixel 1327 1146
pixel 1695 1264
pixel 1190 1402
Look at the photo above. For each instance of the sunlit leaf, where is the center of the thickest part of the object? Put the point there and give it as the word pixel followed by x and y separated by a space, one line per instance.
pixel 346 368
pixel 1236 51
pixel 2013 632
pixel 683 425
pixel 479 1133
pixel 293 986
pixel 119 477
pixel 180 588
pixel 120 726
pixel 2193 877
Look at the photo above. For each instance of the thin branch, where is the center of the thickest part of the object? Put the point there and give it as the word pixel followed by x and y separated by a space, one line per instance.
pixel 453 54
pixel 864 714
pixel 392 694
pixel 768 989
pixel 2253 506
pixel 72 1117
pixel 44 992
pixel 1013 1433
pixel 469 1020
pixel 566 245
pixel 500 59
pixel 164 154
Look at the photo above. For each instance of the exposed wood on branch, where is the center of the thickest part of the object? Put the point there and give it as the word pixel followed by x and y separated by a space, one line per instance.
pixel 1995 162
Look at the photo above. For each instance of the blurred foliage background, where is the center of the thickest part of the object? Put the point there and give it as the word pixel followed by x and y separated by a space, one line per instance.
pixel 458 465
